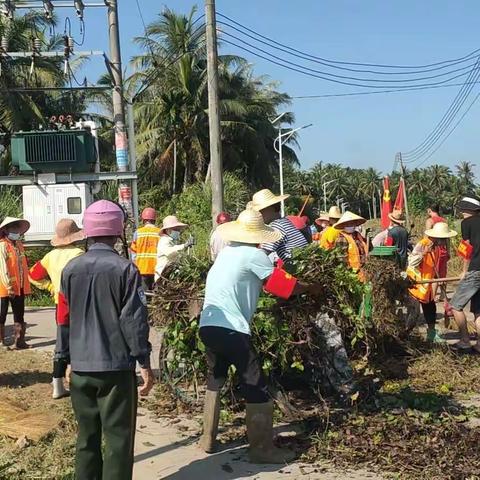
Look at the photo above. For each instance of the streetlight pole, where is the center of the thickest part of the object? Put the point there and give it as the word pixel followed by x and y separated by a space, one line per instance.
pixel 282 139
pixel 325 185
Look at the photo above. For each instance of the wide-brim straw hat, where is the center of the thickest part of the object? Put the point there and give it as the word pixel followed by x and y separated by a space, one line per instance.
pixel 171 221
pixel 266 198
pixel 322 218
pixel 349 219
pixel 441 230
pixel 397 217
pixel 469 204
pixel 66 233
pixel 24 224
pixel 334 212
pixel 249 228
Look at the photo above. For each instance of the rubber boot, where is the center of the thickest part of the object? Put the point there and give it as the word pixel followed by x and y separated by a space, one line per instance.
pixel 19 331
pixel 211 416
pixel 59 390
pixel 433 336
pixel 260 436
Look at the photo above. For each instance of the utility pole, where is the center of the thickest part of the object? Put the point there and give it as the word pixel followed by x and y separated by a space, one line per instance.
pixel 216 166
pixel 174 164
pixel 133 159
pixel 121 143
pixel 402 178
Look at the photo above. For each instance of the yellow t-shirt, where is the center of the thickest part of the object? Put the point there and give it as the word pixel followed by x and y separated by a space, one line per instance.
pixel 47 273
pixel 329 238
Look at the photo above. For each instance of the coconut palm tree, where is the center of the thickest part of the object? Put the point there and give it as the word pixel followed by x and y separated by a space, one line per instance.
pixel 466 175
pixel 172 104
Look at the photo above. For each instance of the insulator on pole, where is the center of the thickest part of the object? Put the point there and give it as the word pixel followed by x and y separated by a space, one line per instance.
pixel 79 7
pixel 8 8
pixel 37 44
pixel 48 7
pixel 4 44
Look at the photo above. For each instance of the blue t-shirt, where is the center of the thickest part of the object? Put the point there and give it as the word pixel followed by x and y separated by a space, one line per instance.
pixel 233 286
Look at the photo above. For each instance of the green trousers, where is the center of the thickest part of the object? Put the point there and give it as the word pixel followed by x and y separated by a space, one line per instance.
pixel 104 403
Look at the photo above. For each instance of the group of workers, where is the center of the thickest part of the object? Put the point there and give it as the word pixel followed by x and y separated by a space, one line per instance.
pixel 101 314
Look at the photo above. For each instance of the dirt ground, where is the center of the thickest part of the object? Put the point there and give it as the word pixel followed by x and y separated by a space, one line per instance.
pixel 165 448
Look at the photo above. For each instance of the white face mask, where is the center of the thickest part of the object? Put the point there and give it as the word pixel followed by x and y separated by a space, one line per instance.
pixel 14 236
pixel 175 235
pixel 349 229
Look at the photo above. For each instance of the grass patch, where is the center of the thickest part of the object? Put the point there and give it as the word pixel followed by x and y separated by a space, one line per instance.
pixel 25 380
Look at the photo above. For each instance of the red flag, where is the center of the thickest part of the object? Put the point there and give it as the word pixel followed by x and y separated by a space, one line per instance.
pixel 386 203
pixel 400 200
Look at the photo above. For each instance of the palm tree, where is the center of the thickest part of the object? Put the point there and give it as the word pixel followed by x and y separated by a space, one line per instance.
pixel 172 104
pixel 466 175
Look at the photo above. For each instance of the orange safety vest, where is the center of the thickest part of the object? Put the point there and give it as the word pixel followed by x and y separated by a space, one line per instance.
pixel 425 271
pixel 17 268
pixel 144 246
pixel 356 258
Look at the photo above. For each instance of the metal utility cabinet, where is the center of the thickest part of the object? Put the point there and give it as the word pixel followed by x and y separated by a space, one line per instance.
pixel 45 205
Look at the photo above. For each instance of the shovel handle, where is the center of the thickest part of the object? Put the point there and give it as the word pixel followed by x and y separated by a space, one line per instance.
pixel 439 280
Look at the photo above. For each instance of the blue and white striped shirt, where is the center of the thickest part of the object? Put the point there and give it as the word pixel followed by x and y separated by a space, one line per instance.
pixel 292 238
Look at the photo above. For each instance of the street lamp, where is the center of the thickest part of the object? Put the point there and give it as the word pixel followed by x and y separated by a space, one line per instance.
pixel 325 185
pixel 281 140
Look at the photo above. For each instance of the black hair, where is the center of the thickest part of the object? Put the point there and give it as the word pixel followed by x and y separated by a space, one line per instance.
pixel 435 207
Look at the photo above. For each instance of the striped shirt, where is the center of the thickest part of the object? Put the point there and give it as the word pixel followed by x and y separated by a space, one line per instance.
pixel 292 238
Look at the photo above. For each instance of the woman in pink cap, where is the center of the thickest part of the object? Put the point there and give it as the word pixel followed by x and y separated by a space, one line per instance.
pixel 168 246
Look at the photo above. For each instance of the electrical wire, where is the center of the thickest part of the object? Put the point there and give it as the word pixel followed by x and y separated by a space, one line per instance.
pixel 310 58
pixel 337 62
pixel 346 77
pixel 394 90
pixel 451 131
pixel 341 82
pixel 447 119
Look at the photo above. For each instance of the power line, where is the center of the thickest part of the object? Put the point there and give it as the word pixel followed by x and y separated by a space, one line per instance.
pixel 311 58
pixel 447 118
pixel 451 131
pixel 337 62
pixel 341 82
pixel 346 77
pixel 352 94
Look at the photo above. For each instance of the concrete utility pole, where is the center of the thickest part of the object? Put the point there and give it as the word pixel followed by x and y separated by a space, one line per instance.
pixel 216 165
pixel 121 143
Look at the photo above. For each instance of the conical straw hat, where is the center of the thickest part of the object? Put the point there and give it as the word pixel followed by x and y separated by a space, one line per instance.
pixel 349 219
pixel 334 212
pixel 265 198
pixel 248 228
pixel 441 230
pixel 397 217
pixel 25 224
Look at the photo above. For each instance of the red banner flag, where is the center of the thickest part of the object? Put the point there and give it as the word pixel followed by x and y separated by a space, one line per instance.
pixel 386 203
pixel 400 200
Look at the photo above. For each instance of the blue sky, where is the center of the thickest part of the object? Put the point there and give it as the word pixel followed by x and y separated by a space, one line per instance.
pixel 357 131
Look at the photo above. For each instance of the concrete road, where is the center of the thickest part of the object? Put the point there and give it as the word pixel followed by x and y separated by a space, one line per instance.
pixel 162 451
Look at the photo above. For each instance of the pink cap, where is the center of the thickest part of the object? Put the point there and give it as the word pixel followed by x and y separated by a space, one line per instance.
pixel 103 219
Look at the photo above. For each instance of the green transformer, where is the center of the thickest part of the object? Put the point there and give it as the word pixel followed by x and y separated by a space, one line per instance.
pixel 54 151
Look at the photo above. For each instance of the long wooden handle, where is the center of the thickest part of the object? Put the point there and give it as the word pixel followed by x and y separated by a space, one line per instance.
pixel 439 280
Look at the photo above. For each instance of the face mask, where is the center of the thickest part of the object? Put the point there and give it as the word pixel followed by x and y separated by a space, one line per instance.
pixel 349 229
pixel 14 236
pixel 175 235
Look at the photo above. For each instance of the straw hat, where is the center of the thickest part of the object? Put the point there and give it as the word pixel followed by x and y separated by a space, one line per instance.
pixel 171 221
pixel 322 218
pixel 334 212
pixel 349 219
pixel 469 204
pixel 441 230
pixel 397 217
pixel 24 224
pixel 265 198
pixel 248 228
pixel 66 233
